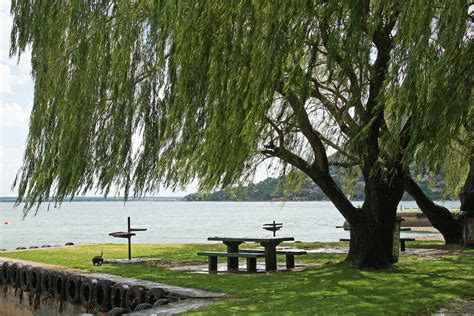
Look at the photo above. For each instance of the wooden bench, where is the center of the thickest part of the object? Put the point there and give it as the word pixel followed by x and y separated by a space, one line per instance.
pixel 402 242
pixel 290 255
pixel 251 258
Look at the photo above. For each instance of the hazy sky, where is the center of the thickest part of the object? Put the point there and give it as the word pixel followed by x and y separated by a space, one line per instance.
pixel 16 97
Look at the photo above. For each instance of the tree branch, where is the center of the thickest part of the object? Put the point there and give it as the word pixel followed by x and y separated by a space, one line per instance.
pixel 440 217
pixel 278 130
pixel 336 147
pixel 320 157
pixel 375 116
pixel 342 119
pixel 343 164
pixel 323 180
pixel 288 157
pixel 355 88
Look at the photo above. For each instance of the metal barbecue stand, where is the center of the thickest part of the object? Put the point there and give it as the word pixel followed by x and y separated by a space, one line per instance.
pixel 273 227
pixel 128 234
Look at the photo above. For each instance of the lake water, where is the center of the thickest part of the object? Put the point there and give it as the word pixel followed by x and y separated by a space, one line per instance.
pixel 171 222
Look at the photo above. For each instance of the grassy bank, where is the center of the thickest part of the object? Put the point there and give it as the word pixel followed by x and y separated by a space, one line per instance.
pixel 415 285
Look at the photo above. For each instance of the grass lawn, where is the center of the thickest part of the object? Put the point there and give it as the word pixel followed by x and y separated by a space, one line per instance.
pixel 414 286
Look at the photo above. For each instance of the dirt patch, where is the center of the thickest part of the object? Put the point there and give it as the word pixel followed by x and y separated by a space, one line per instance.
pixel 458 307
pixel 222 268
pixel 133 260
pixel 328 249
pixel 174 265
pixel 430 237
pixel 430 254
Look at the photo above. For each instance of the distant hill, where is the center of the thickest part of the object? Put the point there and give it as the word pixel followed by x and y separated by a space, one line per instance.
pixel 270 190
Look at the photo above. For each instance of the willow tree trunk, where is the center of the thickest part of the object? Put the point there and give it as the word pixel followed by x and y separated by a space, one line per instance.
pixel 372 233
pixel 440 217
pixel 467 192
pixel 372 226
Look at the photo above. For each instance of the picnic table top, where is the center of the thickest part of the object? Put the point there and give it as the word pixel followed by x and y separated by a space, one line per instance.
pixel 252 239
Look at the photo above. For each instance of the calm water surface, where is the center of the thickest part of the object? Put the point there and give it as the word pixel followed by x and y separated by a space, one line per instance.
pixel 170 222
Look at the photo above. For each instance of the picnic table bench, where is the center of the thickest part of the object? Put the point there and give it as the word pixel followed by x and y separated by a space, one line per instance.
pixel 402 242
pixel 269 245
pixel 251 255
pixel 251 258
pixel 289 255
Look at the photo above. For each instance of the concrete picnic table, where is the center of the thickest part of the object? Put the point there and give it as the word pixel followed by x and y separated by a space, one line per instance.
pixel 269 244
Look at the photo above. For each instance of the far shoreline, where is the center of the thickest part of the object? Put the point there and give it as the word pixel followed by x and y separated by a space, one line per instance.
pixel 8 199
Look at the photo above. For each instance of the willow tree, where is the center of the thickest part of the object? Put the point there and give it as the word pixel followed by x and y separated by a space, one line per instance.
pixel 444 137
pixel 139 95
pixel 458 168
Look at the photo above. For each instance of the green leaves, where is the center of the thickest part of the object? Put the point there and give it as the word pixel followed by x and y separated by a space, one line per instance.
pixel 431 75
pixel 139 95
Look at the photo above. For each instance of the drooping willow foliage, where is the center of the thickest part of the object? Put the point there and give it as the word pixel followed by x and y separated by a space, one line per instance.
pixel 431 81
pixel 143 94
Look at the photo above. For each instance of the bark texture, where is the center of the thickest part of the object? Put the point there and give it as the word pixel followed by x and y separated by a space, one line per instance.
pixel 371 242
pixel 440 217
pixel 467 192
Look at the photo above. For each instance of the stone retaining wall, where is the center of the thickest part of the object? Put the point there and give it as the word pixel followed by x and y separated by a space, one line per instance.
pixel 30 288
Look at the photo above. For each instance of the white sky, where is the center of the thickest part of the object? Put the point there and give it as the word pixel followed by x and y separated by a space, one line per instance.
pixel 16 95
pixel 16 98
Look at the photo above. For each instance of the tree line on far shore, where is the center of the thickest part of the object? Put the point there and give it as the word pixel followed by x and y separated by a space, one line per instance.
pixel 274 189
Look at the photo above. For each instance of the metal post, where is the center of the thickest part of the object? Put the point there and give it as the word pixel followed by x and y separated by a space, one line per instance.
pixel 468 228
pixel 274 229
pixel 129 241
pixel 396 239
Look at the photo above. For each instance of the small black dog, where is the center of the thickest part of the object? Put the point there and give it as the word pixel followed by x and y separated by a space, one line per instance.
pixel 98 260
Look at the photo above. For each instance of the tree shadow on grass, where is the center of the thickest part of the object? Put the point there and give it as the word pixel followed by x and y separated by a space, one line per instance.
pixel 335 288
pixel 411 287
